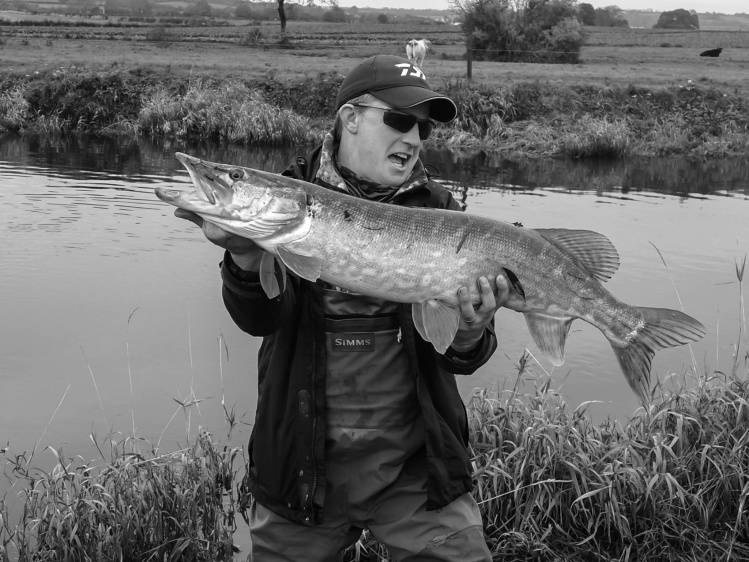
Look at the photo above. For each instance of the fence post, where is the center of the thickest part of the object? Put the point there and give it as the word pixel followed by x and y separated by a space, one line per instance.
pixel 469 62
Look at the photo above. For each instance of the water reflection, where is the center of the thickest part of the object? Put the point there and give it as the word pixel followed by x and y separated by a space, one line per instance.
pixel 673 176
pixel 84 157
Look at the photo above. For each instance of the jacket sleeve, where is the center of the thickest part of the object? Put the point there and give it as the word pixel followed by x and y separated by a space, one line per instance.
pixel 249 307
pixel 467 363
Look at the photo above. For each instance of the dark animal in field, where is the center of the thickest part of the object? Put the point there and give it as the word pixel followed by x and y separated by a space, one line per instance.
pixel 712 52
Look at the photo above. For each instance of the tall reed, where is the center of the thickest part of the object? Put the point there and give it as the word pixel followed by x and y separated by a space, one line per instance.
pixel 137 507
pixel 671 484
pixel 14 109
pixel 233 113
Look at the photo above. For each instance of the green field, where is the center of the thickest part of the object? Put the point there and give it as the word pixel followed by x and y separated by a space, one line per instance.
pixel 611 57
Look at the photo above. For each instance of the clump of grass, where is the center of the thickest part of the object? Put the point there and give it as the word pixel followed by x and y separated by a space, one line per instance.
pixel 84 101
pixel 233 113
pixel 479 106
pixel 137 507
pixel 14 109
pixel 672 482
pixel 595 137
pixel 253 37
pixel 157 33
pixel 313 97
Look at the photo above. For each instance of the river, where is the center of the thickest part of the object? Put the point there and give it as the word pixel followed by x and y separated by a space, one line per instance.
pixel 111 310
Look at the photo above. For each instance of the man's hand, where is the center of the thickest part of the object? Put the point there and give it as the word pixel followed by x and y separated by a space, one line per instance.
pixel 244 252
pixel 473 321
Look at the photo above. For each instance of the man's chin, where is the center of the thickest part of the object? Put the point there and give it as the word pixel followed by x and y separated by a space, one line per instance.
pixel 396 177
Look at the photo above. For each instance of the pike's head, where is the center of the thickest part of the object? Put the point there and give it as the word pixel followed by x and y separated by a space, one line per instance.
pixel 251 203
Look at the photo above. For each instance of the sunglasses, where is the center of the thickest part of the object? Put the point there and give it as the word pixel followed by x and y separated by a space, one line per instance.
pixel 403 122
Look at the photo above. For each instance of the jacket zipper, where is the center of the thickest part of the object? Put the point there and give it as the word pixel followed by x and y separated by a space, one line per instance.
pixel 314 432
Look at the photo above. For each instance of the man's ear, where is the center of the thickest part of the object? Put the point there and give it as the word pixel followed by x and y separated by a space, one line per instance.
pixel 349 118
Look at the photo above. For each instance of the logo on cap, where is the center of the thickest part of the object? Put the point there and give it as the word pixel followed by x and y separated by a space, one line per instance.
pixel 416 70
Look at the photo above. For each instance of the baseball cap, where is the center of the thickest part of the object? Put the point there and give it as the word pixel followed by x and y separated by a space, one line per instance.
pixel 398 83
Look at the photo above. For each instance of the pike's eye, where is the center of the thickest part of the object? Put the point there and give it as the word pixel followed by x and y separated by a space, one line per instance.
pixel 236 174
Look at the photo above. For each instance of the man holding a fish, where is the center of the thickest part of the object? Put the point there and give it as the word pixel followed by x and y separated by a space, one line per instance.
pixel 359 423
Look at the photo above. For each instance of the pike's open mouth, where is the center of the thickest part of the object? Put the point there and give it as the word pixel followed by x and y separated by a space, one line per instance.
pixel 208 183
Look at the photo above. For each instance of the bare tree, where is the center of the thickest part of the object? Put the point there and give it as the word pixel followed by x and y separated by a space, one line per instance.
pixel 282 10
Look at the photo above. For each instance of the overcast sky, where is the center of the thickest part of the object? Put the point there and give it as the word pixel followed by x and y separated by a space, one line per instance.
pixel 700 6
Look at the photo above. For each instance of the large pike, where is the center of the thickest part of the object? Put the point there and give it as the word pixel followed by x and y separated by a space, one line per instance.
pixel 422 256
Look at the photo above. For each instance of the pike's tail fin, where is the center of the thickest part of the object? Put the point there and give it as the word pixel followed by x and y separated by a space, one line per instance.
pixel 663 328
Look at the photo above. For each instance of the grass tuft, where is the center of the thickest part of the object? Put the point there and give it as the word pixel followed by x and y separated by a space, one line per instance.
pixel 137 507
pixel 232 113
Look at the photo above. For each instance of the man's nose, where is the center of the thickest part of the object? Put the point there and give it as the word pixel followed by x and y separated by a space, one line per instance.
pixel 412 136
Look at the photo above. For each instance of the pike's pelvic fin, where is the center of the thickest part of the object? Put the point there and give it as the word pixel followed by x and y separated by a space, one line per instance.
pixel 662 328
pixel 269 275
pixel 550 334
pixel 306 267
pixel 436 322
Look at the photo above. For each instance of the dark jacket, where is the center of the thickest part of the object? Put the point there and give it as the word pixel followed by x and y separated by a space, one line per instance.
pixel 287 445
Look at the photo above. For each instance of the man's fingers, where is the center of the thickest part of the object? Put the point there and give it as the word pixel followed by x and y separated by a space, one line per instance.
pixel 503 289
pixel 466 306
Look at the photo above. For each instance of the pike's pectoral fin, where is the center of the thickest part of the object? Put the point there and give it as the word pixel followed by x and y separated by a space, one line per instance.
pixel 306 267
pixel 550 334
pixel 269 275
pixel 436 322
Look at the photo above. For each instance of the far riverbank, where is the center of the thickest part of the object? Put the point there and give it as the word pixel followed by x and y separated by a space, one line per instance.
pixel 515 119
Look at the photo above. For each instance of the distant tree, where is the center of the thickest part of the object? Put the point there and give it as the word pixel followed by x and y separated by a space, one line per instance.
pixel 678 19
pixel 521 30
pixel 141 7
pixel 243 11
pixel 113 7
pixel 610 16
pixel 202 8
pixel 282 16
pixel 382 18
pixel 586 13
pixel 335 15
pixel 293 12
pixel 82 6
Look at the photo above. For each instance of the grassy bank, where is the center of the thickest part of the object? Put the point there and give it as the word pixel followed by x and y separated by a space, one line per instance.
pixel 670 484
pixel 519 118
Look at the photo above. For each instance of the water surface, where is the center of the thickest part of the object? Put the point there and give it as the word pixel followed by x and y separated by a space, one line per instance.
pixel 111 308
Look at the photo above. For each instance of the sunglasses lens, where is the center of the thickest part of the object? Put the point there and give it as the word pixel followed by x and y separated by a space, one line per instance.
pixel 399 121
pixel 404 122
pixel 425 129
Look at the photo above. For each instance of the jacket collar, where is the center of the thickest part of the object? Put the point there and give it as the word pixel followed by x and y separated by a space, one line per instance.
pixel 329 174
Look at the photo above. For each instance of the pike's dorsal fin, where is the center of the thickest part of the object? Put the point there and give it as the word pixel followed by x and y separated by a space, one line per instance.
pixel 436 322
pixel 550 334
pixel 592 250
pixel 306 267
pixel 269 276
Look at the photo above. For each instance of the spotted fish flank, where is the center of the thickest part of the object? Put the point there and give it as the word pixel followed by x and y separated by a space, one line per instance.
pixel 422 256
